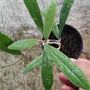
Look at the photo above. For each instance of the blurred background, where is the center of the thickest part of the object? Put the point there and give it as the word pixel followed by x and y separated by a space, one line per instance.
pixel 16 22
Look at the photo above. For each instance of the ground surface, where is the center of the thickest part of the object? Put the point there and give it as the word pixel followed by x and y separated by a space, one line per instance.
pixel 16 22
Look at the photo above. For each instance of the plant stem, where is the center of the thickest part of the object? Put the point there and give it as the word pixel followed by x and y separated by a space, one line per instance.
pixel 52 43
pixel 41 42
pixel 11 63
pixel 18 59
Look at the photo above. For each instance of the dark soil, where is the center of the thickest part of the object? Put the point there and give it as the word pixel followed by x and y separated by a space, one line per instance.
pixel 71 42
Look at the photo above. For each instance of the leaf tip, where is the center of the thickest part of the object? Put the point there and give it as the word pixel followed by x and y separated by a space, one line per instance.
pixel 9 47
pixel 24 72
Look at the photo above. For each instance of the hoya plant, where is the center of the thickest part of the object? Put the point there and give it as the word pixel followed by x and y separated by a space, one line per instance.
pixel 49 54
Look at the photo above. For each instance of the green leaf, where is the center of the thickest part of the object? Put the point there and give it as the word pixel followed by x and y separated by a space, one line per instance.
pixel 5 41
pixel 55 29
pixel 64 13
pixel 22 44
pixel 49 19
pixel 47 74
pixel 34 64
pixel 44 12
pixel 71 71
pixel 34 11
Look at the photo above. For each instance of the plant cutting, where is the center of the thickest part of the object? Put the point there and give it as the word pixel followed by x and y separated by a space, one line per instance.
pixel 50 53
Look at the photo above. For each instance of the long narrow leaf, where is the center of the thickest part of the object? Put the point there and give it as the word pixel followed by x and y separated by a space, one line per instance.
pixel 49 19
pixel 44 12
pixel 47 74
pixel 55 29
pixel 22 44
pixel 71 71
pixel 34 64
pixel 34 10
pixel 64 13
pixel 5 41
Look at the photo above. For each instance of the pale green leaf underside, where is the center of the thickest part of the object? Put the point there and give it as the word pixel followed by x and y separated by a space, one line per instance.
pixel 34 64
pixel 22 44
pixel 49 19
pixel 5 41
pixel 71 71
pixel 64 13
pixel 54 29
pixel 47 74
pixel 44 12
pixel 34 11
